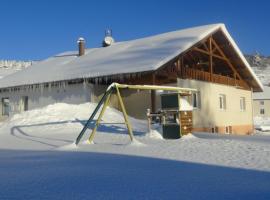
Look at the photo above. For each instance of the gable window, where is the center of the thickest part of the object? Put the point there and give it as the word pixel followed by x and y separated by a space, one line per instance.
pixel 222 102
pixel 242 103
pixel 262 111
pixel 5 106
pixel 196 100
pixel 261 103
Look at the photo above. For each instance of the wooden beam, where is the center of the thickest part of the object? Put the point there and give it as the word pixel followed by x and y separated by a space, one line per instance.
pixel 227 60
pixel 207 53
pixel 213 50
pixel 153 94
pixel 234 75
pixel 191 57
pixel 205 46
pixel 210 60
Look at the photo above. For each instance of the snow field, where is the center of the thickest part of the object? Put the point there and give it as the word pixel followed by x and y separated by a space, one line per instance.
pixel 56 127
pixel 39 160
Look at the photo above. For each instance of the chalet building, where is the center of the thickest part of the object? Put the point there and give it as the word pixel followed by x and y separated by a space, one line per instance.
pixel 261 103
pixel 205 58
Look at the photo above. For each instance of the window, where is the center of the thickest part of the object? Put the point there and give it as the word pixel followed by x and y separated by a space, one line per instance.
pixel 5 106
pixel 262 103
pixel 262 111
pixel 228 129
pixel 242 103
pixel 222 102
pixel 196 100
pixel 24 103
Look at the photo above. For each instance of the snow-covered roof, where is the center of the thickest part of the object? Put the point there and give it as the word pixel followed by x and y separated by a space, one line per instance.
pixel 146 54
pixel 5 72
pixel 262 95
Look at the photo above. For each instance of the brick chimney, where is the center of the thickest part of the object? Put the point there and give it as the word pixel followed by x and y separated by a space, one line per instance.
pixel 81 46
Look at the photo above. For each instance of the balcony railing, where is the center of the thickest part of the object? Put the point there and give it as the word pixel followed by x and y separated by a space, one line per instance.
pixel 189 73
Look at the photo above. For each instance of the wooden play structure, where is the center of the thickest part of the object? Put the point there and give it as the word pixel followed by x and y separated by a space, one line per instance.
pixel 115 88
pixel 174 118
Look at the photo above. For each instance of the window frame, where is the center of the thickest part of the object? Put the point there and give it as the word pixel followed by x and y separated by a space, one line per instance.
pixel 243 104
pixel 196 96
pixel 222 102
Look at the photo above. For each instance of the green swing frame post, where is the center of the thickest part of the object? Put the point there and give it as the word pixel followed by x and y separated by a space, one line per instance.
pixel 115 87
pixel 130 132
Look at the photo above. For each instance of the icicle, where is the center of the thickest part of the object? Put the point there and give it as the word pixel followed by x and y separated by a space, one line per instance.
pixel 50 87
pixel 41 89
pixel 84 83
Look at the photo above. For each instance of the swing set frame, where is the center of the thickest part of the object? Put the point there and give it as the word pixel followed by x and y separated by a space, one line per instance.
pixel 115 88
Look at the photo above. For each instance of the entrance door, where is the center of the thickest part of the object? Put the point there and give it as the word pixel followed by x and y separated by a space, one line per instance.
pixel 5 107
pixel 24 103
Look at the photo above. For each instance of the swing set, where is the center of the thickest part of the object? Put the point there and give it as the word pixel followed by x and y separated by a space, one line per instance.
pixel 115 88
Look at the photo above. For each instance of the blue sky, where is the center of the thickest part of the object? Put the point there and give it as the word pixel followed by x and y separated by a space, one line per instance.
pixel 34 30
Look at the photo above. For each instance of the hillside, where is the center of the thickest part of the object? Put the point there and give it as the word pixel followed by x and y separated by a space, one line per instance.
pixel 261 66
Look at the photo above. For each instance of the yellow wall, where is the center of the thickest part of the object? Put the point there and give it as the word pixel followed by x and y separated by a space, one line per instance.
pixel 209 115
pixel 257 106
pixel 136 102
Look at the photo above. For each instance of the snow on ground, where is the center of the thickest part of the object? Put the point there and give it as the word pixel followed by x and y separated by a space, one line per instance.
pixel 40 161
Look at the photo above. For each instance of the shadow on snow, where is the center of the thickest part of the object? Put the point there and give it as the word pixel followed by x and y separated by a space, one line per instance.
pixel 17 131
pixel 85 175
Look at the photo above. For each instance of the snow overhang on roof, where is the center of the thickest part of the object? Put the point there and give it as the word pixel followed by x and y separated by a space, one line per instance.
pixel 141 55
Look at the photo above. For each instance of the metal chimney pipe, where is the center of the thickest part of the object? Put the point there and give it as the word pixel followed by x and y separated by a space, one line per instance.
pixel 81 46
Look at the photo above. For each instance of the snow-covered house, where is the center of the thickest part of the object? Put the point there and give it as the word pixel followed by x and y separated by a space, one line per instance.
pixel 205 58
pixel 261 103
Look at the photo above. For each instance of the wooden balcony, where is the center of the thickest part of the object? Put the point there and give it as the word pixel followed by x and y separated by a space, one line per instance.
pixel 189 73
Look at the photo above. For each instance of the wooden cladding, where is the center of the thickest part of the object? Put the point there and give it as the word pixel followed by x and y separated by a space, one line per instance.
pixel 189 73
pixel 186 122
